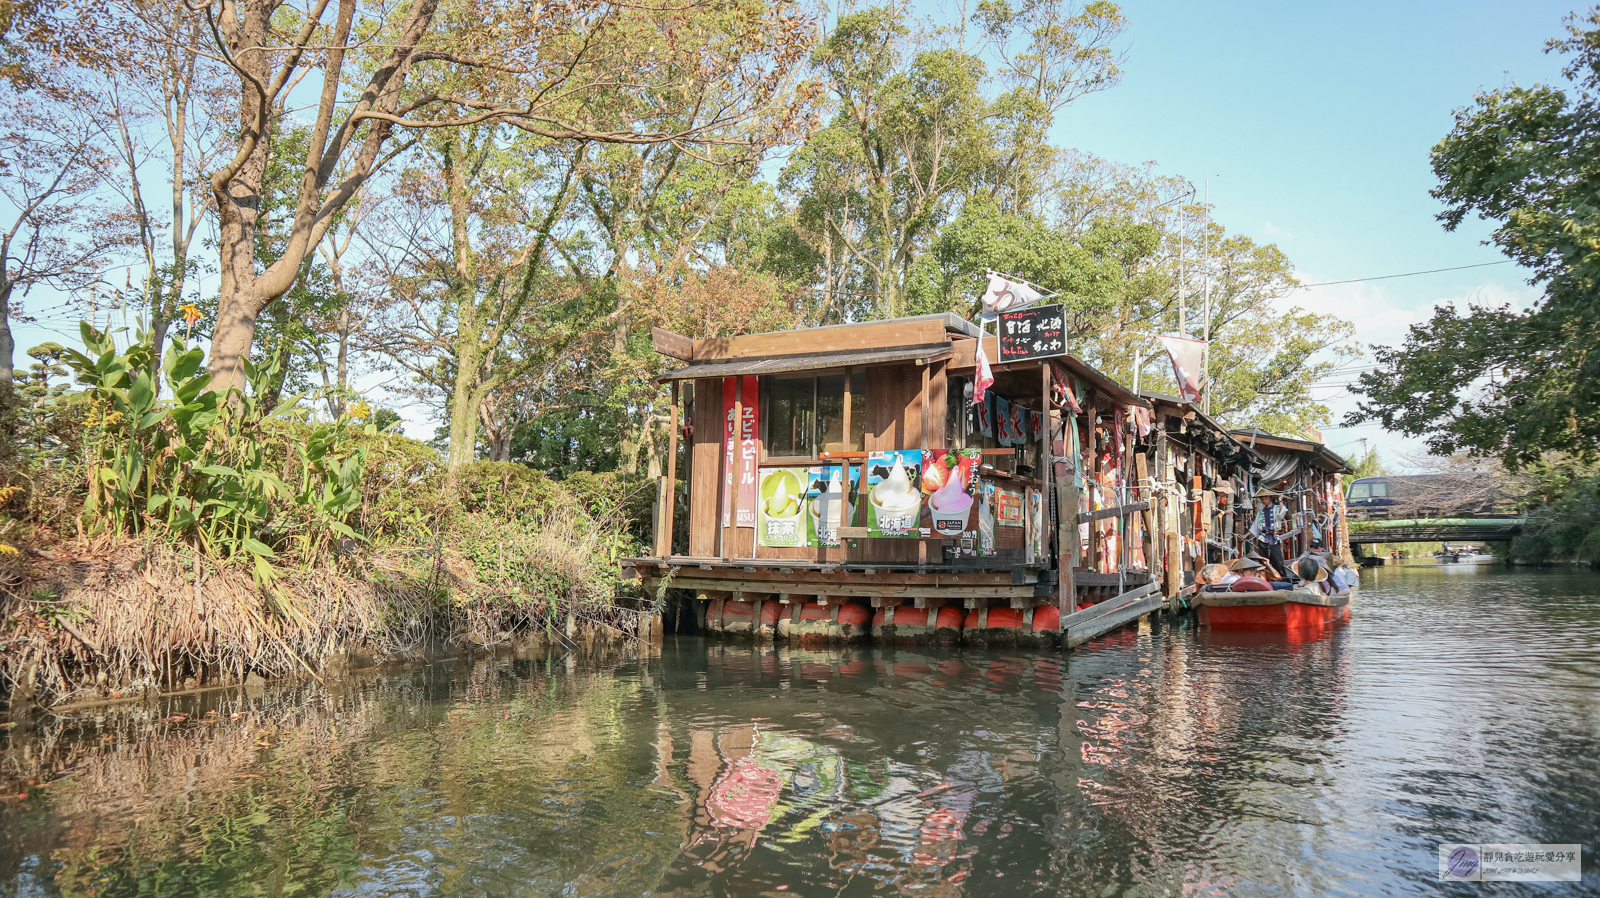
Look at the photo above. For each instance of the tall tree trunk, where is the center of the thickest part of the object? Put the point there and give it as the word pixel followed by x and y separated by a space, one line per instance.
pixel 467 396
pixel 8 344
pixel 239 201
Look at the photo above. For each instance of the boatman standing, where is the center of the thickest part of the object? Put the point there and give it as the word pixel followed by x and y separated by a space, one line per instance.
pixel 1268 527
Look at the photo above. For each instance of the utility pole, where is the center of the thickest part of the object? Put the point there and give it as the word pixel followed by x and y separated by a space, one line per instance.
pixel 1205 376
pixel 1183 293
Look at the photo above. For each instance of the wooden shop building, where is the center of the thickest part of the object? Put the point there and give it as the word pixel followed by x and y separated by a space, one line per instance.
pixel 841 480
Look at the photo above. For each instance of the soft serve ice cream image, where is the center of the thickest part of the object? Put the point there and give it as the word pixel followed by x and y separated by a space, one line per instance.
pixel 830 507
pixel 896 499
pixel 781 498
pixel 946 477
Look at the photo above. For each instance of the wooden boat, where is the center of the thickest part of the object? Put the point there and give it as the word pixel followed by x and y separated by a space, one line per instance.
pixel 1290 609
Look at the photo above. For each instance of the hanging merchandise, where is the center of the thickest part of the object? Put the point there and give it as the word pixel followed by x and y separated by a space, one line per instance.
pixel 1142 421
pixel 1002 420
pixel 1061 393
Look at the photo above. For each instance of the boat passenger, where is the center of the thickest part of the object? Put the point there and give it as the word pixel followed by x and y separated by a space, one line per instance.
pixel 1217 577
pixel 1252 567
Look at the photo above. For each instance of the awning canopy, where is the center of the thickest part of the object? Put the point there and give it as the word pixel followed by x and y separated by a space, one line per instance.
pixel 780 364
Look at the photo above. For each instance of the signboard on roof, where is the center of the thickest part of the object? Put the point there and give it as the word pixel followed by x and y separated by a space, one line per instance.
pixel 1037 332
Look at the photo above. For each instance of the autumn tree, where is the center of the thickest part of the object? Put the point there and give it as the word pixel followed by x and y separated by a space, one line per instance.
pixel 55 233
pixel 162 104
pixel 382 78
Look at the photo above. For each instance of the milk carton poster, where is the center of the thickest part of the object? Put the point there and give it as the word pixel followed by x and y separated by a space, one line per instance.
pixel 832 502
pixel 782 508
pixel 894 494
pixel 949 481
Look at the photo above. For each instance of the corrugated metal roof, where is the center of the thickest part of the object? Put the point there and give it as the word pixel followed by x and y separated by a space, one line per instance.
pixel 779 364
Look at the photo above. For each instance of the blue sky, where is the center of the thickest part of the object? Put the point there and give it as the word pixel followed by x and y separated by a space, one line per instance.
pixel 1313 123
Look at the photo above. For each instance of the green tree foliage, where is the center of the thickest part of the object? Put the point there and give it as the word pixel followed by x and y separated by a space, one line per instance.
pixel 920 123
pixel 1564 513
pixel 1501 381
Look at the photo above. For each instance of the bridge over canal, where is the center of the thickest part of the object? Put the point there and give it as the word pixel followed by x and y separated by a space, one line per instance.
pixel 1432 530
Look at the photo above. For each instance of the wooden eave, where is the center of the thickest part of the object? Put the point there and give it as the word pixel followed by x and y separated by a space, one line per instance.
pixel 965 359
pixel 1316 453
pixel 1187 408
pixel 820 361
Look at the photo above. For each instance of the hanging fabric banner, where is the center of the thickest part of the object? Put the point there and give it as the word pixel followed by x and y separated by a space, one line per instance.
pixel 1187 357
pixel 1002 420
pixel 986 416
pixel 985 378
pixel 1004 295
pixel 1062 394
pixel 1019 425
pixel 745 445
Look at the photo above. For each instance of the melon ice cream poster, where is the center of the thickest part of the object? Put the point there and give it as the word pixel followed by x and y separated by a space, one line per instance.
pixel 782 508
pixel 894 493
pixel 949 480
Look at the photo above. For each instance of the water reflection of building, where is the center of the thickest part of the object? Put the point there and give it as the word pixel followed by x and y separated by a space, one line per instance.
pixel 859 794
pixel 1168 739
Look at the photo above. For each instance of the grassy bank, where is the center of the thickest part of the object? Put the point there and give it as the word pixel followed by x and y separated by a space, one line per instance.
pixel 152 543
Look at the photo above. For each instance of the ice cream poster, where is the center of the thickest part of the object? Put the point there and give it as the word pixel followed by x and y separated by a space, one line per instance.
pixel 894 494
pixel 804 507
pixel 832 502
pixel 783 508
pixel 948 481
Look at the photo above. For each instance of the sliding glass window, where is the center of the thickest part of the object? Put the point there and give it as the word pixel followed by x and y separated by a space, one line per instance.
pixel 805 414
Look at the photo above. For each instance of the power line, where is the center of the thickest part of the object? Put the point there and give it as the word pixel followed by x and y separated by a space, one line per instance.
pixel 1385 277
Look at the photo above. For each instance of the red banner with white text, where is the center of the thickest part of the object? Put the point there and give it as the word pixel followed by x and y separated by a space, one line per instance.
pixel 750 401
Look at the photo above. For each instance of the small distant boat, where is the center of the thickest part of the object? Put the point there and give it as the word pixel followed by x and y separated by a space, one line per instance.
pixel 1464 555
pixel 1284 609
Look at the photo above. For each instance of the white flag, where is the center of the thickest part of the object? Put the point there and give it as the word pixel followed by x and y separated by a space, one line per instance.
pixel 1004 295
pixel 1186 361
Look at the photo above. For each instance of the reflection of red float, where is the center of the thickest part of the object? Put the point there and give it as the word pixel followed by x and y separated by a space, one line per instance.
pixel 1012 626
pixel 811 624
pixel 743 797
pixel 917 626
pixel 1278 610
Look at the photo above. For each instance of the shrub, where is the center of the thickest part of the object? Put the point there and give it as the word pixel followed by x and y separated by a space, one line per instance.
pixel 216 468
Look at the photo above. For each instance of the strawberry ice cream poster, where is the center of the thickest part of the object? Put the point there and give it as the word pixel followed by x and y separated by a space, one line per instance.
pixel 950 482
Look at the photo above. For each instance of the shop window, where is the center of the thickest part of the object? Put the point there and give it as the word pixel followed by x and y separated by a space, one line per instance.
pixel 805 414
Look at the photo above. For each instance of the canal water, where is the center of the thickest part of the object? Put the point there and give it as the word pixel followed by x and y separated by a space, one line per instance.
pixel 1459 704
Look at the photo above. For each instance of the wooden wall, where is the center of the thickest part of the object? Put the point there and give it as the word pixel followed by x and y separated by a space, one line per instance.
pixel 705 481
pixel 894 420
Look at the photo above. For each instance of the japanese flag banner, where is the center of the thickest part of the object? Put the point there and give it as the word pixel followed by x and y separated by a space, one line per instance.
pixel 1004 295
pixel 1187 357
